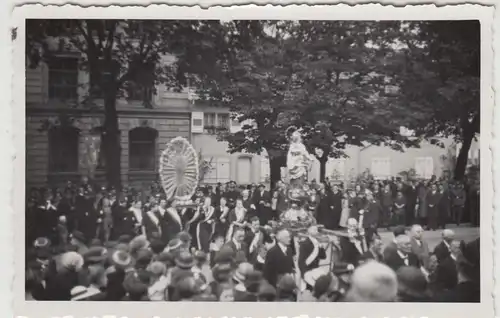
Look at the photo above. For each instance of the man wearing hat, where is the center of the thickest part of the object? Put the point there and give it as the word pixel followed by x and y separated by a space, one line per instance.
pixel 86 216
pixel 261 201
pixel 232 194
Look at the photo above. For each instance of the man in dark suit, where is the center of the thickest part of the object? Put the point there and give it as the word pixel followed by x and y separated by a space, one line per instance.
pixel 402 256
pixel 446 272
pixel 442 250
pixel 238 245
pixel 310 254
pixel 411 202
pixel 282 204
pixel 261 200
pixel 279 259
pixel 352 246
pixel 397 231
pixel 371 216
pixel 418 246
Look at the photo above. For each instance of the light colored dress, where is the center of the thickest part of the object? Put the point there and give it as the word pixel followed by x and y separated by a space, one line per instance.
pixel 297 161
pixel 345 213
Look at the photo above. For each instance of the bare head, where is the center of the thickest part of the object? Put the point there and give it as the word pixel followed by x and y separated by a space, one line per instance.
pixel 283 237
pixel 313 230
pixel 373 282
pixel 416 231
pixel 403 243
pixel 448 235
pixel 352 224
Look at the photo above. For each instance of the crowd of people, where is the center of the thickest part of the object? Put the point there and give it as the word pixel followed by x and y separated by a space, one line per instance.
pixel 92 243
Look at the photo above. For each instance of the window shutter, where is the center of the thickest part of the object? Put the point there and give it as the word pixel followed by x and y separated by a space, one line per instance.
pixel 223 170
pixel 424 167
pixel 197 122
pixel 381 168
pixel 429 167
pixel 265 169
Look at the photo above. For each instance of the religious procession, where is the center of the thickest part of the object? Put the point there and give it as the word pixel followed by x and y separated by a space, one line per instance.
pixel 121 116
pixel 303 242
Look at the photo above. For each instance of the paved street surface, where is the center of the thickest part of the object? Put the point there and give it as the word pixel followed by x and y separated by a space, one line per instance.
pixel 464 232
pixel 434 237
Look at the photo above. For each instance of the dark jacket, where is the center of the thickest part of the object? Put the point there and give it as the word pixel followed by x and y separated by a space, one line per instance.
pixel 277 264
pixel 310 254
pixel 394 261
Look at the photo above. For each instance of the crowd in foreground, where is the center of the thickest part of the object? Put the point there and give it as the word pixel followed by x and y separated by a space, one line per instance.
pixel 89 245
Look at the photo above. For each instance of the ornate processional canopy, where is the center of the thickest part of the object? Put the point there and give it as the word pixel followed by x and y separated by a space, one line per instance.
pixel 179 171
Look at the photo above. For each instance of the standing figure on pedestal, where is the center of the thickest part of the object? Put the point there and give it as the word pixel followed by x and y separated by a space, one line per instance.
pixel 298 161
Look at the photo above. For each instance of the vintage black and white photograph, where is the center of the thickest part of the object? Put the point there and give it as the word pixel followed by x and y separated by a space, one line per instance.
pixel 252 160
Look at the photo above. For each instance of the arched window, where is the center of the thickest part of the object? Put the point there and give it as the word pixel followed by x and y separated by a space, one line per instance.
pixel 63 149
pixel 142 149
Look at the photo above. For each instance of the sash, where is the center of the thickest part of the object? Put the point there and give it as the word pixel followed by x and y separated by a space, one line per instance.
pixel 153 218
pixel 173 213
pixel 255 242
pixel 314 252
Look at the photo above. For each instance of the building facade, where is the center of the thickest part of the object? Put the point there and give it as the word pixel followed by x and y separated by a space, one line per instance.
pixel 244 168
pixel 53 155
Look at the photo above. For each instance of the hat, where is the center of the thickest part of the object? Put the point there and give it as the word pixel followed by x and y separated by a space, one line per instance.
pixel 261 185
pixel 82 292
pixel 287 283
pixel 121 247
pixel 95 242
pixel 242 271
pixel 184 260
pixel 200 256
pixel 78 236
pixel 253 281
pixel 266 291
pixel 72 261
pixel 322 284
pixel 166 257
pixel 173 245
pixel 225 255
pixel 121 259
pixel 340 269
pixel 157 246
pixel 222 268
pixel 136 283
pixel 110 244
pixel 95 254
pixel 41 242
pixel 157 268
pixel 43 253
pixel 399 230
pixel 143 257
pixel 137 243
pixel 124 238
pixel 184 237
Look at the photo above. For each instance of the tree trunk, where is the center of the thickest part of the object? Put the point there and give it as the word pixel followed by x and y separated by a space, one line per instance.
pixel 275 165
pixel 112 147
pixel 322 168
pixel 463 157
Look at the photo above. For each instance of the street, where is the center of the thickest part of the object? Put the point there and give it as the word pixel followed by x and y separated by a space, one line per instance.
pixel 432 238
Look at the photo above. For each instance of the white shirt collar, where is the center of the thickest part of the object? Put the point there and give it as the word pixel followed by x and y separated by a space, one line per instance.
pixel 403 256
pixel 453 257
pixel 283 248
pixel 237 244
